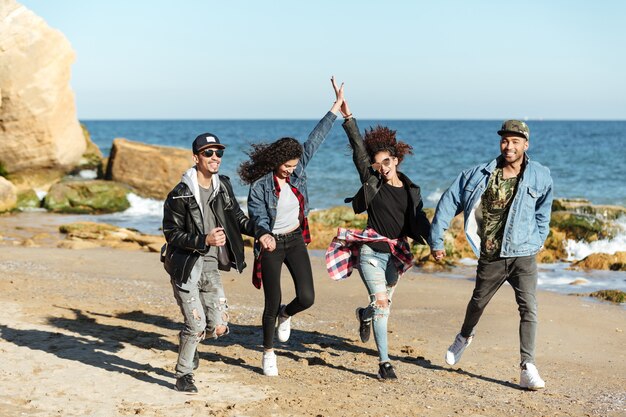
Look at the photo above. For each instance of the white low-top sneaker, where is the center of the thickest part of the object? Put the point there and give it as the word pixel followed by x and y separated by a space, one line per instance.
pixel 269 364
pixel 456 349
pixel 283 331
pixel 530 378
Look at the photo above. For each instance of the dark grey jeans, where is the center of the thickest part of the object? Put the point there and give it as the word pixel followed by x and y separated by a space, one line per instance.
pixel 521 273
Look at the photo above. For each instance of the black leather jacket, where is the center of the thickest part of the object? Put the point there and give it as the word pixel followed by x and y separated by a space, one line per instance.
pixel 184 231
pixel 419 226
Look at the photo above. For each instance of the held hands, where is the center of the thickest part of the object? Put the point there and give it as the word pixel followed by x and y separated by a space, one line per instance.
pixel 343 104
pixel 216 237
pixel 267 242
pixel 438 254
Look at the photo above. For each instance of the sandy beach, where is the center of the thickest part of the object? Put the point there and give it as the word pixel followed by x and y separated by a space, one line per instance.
pixel 94 333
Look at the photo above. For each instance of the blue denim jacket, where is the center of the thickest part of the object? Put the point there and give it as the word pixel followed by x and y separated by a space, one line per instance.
pixel 528 221
pixel 262 198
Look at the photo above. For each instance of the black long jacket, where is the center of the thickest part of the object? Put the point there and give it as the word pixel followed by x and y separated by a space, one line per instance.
pixel 184 231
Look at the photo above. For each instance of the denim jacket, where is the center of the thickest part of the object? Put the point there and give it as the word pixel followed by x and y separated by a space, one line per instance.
pixel 528 221
pixel 262 198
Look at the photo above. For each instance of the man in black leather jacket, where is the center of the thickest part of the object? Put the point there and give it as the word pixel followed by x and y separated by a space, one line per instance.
pixel 202 223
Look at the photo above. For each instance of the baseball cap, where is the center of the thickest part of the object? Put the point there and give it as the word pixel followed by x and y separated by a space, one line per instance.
pixel 204 141
pixel 516 128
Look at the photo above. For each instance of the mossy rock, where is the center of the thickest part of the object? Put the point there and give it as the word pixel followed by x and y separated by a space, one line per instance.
pixel 3 170
pixel 340 216
pixel 323 224
pixel 89 197
pixel 28 199
pixel 582 206
pixel 580 226
pixel 614 296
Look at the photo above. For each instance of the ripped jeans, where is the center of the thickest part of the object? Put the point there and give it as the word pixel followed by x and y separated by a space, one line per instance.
pixel 203 303
pixel 380 276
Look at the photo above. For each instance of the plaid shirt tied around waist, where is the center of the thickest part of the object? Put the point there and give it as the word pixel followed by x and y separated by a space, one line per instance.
pixel 257 274
pixel 343 253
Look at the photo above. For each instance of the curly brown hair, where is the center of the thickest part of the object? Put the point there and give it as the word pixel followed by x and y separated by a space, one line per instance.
pixel 381 138
pixel 266 157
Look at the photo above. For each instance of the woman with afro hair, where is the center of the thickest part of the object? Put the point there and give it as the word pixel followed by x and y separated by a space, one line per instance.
pixel 394 208
pixel 278 205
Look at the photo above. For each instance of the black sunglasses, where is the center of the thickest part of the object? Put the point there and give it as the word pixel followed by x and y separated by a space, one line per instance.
pixel 209 152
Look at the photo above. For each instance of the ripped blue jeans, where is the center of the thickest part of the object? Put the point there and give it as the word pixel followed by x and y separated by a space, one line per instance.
pixel 203 303
pixel 380 276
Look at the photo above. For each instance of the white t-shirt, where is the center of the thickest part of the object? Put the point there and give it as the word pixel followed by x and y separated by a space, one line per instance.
pixel 287 212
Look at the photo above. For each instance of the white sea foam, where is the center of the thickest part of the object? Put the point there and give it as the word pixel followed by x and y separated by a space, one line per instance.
pixel 577 250
pixel 140 206
pixel 41 194
pixel 88 174
pixel 435 196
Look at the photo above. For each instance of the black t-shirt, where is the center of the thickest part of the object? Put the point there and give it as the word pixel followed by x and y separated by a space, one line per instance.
pixel 387 214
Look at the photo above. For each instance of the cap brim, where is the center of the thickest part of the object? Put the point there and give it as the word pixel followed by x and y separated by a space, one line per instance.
pixel 212 145
pixel 512 132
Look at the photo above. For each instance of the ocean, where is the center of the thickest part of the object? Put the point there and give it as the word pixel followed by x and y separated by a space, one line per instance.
pixel 586 158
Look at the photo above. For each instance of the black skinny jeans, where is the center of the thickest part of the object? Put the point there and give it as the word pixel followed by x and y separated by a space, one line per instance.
pixel 290 250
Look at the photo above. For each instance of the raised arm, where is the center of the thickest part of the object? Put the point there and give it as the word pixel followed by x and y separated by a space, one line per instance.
pixel 359 153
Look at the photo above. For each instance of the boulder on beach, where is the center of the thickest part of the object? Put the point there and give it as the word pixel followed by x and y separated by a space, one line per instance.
pixel 152 171
pixel 8 195
pixel 28 199
pixel 90 197
pixel 577 226
pixel 582 206
pixel 39 128
pixel 615 262
pixel 84 235
pixel 614 296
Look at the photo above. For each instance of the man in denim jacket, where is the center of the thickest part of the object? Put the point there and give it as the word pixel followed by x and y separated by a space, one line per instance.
pixel 506 205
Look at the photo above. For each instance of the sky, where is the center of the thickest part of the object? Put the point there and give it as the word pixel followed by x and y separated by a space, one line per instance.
pixel 193 59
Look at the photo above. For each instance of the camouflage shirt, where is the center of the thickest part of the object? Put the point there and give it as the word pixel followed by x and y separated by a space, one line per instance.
pixel 496 201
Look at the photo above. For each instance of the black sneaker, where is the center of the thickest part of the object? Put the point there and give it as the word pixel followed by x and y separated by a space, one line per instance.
pixel 386 372
pixel 196 360
pixel 186 384
pixel 364 316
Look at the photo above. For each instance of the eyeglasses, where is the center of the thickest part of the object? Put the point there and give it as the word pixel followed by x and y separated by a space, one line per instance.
pixel 209 152
pixel 385 162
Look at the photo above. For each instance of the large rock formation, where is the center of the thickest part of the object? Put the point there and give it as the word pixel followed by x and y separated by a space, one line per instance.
pixel 38 124
pixel 152 171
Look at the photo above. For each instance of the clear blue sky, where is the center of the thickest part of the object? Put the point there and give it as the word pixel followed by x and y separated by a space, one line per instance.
pixel 193 59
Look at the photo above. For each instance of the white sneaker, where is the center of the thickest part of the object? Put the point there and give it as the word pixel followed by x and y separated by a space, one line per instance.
pixel 284 325
pixel 453 355
pixel 269 364
pixel 530 378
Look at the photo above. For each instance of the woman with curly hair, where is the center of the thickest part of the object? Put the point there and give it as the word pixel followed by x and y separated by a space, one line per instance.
pixel 394 208
pixel 278 205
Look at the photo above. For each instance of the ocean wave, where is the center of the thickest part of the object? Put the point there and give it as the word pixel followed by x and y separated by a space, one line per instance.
pixel 435 196
pixel 577 250
pixel 140 206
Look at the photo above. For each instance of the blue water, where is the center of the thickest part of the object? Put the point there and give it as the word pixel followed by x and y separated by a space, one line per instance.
pixel 586 157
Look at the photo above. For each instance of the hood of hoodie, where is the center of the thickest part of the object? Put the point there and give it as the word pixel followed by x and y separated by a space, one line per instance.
pixel 190 178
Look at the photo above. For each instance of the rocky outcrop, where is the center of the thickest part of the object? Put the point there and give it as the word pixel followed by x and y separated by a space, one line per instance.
pixel 8 195
pixel 28 199
pixel 85 235
pixel 38 124
pixel 582 206
pixel 616 262
pixel 91 197
pixel 152 171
